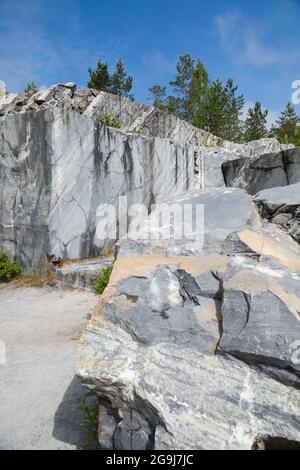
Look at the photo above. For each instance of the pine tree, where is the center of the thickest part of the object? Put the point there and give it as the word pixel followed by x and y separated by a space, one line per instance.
pixel 157 96
pixel 31 87
pixel 216 106
pixel 182 86
pixel 120 83
pixel 232 113
pixel 99 78
pixel 198 96
pixel 172 104
pixel 255 124
pixel 286 128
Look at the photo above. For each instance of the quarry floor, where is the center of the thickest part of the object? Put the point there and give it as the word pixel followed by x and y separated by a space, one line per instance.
pixel 39 395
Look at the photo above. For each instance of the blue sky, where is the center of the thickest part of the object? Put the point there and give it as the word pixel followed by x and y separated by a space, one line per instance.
pixel 257 43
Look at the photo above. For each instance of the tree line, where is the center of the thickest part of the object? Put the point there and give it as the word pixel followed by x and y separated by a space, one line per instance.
pixel 211 105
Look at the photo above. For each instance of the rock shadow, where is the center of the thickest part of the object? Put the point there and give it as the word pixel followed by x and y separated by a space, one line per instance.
pixel 68 420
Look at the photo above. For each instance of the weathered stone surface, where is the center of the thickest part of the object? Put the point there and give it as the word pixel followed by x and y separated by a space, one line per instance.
pixel 213 158
pixel 193 342
pixel 161 382
pixel 281 206
pixel 81 273
pixel 225 210
pixel 266 171
pixel 49 155
pixel 53 146
pixel 153 362
pixel 258 328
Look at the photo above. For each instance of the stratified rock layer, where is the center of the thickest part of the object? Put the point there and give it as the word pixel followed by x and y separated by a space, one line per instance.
pixel 194 342
pixel 267 171
pixel 196 352
pixel 58 163
pixel 281 206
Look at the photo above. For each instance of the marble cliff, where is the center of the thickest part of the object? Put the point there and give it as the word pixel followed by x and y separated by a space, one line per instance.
pixel 191 346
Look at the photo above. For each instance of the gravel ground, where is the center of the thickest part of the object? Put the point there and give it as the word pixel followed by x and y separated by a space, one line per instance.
pixel 39 394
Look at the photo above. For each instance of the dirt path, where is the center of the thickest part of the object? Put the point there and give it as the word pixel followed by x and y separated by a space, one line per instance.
pixel 39 395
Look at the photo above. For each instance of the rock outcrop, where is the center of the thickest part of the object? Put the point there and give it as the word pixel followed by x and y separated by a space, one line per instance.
pixel 281 206
pixel 263 172
pixel 58 163
pixel 195 341
pixel 193 348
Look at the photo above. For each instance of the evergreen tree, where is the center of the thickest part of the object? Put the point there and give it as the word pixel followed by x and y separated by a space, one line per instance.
pixel 216 106
pixel 297 137
pixel 172 105
pixel 157 96
pixel 30 87
pixel 120 83
pixel 99 78
pixel 232 113
pixel 182 86
pixel 198 96
pixel 255 124
pixel 286 129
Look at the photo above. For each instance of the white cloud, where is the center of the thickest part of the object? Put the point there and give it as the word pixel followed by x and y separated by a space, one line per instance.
pixel 243 41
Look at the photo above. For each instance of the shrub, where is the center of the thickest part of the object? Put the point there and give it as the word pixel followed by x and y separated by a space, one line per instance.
pixel 103 279
pixel 90 410
pixel 8 269
pixel 109 119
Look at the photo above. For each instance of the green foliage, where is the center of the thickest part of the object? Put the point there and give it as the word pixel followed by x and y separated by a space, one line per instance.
pixel 90 413
pixel 216 103
pixel 286 128
pixel 109 119
pixel 8 269
pixel 206 104
pixel 103 279
pixel 99 78
pixel 255 124
pixel 157 96
pixel 31 87
pixel 232 113
pixel 182 86
pixel 172 104
pixel 198 96
pixel 118 83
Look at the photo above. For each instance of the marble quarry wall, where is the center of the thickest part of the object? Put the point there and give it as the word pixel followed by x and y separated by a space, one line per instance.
pixel 58 163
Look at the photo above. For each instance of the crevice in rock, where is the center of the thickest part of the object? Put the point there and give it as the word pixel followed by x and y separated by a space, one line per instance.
pixel 246 297
pixel 266 442
pixel 285 164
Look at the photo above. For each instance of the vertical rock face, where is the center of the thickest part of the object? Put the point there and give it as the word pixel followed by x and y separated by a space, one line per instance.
pixel 25 184
pixel 194 343
pixel 57 165
pixel 263 172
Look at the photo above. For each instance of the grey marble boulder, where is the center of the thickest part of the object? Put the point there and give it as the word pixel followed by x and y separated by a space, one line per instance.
pixel 281 206
pixel 211 159
pixel 81 274
pixel 174 333
pixel 259 329
pixel 266 171
pixel 181 230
